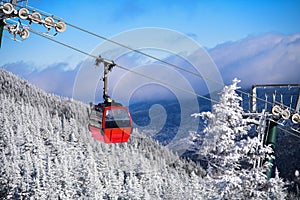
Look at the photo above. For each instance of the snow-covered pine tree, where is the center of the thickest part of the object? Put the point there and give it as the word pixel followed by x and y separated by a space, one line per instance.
pixel 230 153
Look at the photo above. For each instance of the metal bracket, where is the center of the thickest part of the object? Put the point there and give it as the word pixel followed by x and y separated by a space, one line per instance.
pixel 108 66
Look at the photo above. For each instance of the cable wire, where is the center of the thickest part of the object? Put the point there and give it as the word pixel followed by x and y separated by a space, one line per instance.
pixel 165 62
pixel 167 84
pixel 122 67
pixel 289 132
pixel 150 56
pixel 140 74
pixel 143 53
pixel 155 58
pixel 132 49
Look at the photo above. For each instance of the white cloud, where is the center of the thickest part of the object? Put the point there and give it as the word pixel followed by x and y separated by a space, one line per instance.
pixel 264 59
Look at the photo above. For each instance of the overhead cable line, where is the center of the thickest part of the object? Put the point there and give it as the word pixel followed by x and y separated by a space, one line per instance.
pixel 143 53
pixel 289 132
pixel 138 73
pixel 163 61
pixel 170 64
pixel 157 59
pixel 167 84
pixel 122 67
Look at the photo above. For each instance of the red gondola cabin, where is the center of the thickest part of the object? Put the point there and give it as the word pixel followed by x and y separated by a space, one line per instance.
pixel 110 124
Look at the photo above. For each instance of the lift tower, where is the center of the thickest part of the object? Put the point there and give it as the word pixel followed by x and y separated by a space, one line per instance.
pixel 275 105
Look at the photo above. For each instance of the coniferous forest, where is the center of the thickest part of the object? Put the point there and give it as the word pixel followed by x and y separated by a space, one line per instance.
pixel 47 152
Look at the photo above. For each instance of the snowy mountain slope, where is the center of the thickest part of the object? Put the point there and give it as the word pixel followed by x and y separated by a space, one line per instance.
pixel 46 152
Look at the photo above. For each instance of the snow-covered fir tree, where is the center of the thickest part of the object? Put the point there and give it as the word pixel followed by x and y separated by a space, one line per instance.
pixel 230 154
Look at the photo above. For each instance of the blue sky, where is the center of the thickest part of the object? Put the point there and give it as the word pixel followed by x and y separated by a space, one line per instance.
pixel 209 22
pixel 212 22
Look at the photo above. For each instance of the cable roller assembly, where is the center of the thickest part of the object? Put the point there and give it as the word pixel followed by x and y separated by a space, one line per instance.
pixel 60 26
pixel 8 8
pixel 49 22
pixel 286 114
pixel 296 118
pixel 276 111
pixel 23 13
